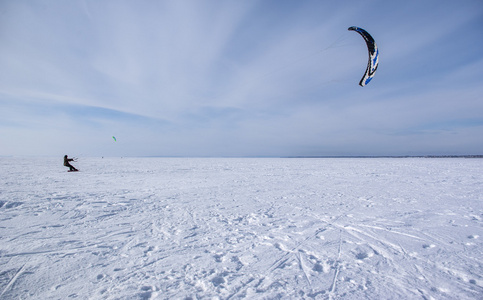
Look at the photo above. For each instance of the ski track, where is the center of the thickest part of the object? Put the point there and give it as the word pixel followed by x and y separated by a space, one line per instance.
pixel 173 228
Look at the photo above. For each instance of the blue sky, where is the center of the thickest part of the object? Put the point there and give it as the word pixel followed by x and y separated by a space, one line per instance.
pixel 239 78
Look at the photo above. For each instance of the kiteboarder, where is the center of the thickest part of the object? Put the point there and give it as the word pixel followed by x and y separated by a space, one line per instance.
pixel 67 164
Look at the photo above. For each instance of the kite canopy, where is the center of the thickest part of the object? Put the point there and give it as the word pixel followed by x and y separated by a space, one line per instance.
pixel 114 138
pixel 373 55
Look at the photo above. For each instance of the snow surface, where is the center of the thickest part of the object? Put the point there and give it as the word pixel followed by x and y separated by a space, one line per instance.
pixel 283 228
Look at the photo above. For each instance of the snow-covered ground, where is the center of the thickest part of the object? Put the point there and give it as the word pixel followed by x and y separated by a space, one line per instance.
pixel 193 228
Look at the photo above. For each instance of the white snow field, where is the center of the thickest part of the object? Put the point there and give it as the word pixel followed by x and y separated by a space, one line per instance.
pixel 234 228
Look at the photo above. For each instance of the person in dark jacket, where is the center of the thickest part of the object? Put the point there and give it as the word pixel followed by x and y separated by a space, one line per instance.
pixel 67 163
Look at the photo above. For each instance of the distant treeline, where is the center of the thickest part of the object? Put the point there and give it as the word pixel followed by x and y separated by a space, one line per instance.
pixel 390 156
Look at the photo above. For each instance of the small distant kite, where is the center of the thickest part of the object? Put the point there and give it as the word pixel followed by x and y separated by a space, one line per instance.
pixel 373 55
pixel 114 138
